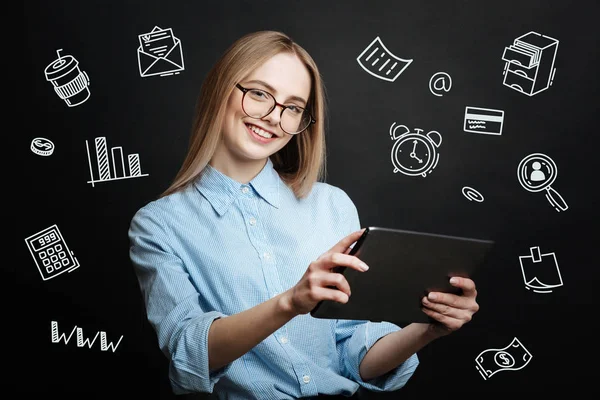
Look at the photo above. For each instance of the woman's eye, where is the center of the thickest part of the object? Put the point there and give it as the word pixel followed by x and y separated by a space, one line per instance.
pixel 257 93
pixel 295 109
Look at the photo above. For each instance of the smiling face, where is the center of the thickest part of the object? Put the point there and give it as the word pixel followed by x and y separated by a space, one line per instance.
pixel 242 153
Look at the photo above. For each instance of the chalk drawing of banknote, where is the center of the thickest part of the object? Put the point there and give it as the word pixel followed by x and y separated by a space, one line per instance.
pixel 510 358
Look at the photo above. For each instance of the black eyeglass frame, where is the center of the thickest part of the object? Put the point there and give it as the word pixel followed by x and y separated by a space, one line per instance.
pixel 283 108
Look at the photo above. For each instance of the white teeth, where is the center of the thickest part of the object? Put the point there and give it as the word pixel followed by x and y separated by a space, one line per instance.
pixel 260 132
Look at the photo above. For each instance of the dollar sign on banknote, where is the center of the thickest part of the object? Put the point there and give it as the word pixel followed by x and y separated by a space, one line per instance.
pixel 505 359
pixel 510 358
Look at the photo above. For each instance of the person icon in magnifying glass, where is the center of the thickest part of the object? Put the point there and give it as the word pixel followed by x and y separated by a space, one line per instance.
pixel 536 173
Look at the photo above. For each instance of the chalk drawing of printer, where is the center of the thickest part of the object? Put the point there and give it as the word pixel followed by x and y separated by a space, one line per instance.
pixel 529 67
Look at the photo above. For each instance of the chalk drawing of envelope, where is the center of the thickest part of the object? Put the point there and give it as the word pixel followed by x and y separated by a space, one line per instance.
pixel 160 53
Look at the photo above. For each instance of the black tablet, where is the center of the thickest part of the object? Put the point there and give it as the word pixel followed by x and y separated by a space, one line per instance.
pixel 403 267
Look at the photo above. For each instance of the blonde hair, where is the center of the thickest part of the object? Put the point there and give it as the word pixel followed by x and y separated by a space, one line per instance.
pixel 302 161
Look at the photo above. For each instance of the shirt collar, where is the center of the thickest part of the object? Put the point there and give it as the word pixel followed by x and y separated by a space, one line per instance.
pixel 221 190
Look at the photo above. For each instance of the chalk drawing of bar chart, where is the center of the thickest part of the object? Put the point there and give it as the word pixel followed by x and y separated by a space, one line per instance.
pixel 110 166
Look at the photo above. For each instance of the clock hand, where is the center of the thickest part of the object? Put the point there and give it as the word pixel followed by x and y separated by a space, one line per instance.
pixel 414 148
pixel 413 154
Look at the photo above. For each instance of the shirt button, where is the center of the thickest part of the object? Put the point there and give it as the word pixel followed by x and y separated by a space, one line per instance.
pixel 266 255
pixel 306 378
pixel 252 221
pixel 245 189
pixel 284 340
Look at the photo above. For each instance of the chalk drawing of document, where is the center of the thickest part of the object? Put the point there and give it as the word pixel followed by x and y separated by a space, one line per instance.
pixel 378 61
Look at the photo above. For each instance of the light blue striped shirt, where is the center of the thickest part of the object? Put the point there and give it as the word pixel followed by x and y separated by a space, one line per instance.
pixel 220 247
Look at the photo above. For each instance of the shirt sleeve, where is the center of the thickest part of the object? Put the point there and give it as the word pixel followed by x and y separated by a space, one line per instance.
pixel 355 338
pixel 172 305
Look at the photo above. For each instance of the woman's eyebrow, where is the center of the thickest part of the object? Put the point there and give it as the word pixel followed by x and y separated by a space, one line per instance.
pixel 272 89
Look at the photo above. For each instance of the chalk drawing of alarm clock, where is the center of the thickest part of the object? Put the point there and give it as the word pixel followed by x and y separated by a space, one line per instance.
pixel 414 153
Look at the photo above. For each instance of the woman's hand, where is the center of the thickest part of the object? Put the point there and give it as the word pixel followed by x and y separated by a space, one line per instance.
pixel 319 282
pixel 449 310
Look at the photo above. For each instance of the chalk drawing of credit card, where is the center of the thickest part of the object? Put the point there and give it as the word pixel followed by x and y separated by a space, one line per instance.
pixel 378 61
pixel 483 120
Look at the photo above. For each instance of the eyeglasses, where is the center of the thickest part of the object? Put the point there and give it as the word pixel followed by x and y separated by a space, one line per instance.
pixel 258 103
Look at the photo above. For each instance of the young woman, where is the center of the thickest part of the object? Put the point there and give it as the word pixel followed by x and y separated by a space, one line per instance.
pixel 235 254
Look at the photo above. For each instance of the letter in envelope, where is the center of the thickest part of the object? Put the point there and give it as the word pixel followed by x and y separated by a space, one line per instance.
pixel 159 53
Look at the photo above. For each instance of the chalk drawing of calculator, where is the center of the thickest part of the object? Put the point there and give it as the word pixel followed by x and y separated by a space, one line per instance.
pixel 50 252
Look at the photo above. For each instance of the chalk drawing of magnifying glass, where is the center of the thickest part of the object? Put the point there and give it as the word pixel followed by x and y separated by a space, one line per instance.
pixel 536 172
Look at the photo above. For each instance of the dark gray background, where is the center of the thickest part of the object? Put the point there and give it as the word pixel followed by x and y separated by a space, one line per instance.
pixel 152 116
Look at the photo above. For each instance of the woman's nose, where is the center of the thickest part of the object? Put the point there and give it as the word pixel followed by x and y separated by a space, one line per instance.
pixel 275 115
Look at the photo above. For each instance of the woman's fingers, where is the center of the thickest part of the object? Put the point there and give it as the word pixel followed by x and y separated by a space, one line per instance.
pixel 331 294
pixel 445 309
pixel 323 281
pixel 450 300
pixel 342 245
pixel 331 260
pixel 447 321
pixel 465 284
pixel 333 279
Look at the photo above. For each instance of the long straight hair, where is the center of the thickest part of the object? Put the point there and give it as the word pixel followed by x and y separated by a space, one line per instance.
pixel 302 161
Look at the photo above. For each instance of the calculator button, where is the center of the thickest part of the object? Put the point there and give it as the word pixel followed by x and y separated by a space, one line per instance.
pixel 54 258
pixel 65 261
pixel 58 247
pixel 49 269
pixel 50 251
pixel 46 262
pixel 42 254
pixel 62 254
pixel 57 265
